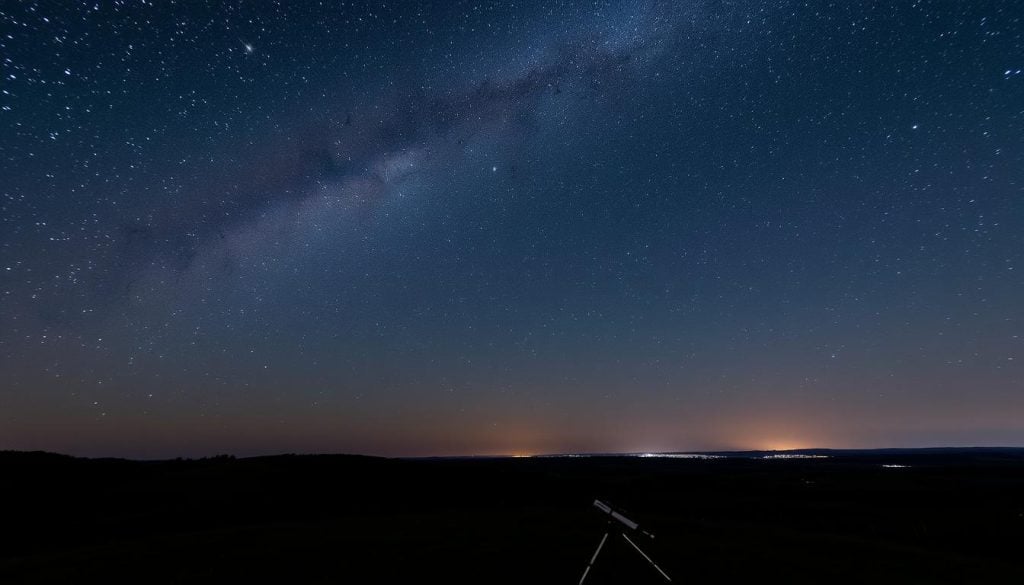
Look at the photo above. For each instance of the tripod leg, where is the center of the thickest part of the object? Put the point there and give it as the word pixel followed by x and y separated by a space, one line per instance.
pixel 647 557
pixel 593 558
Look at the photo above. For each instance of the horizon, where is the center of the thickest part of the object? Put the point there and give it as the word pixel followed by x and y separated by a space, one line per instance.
pixel 726 453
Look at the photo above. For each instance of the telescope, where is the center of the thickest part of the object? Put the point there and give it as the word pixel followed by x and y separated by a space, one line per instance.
pixel 627 525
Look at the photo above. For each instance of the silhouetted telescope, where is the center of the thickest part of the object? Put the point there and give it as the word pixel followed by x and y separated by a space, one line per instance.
pixel 625 521
pixel 629 526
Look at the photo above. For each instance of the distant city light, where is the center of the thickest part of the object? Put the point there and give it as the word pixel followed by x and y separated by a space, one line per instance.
pixel 794 456
pixel 679 455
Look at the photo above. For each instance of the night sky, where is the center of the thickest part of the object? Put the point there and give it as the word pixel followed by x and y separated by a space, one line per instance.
pixel 442 227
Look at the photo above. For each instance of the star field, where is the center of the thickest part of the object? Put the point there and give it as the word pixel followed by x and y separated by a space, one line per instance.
pixel 471 227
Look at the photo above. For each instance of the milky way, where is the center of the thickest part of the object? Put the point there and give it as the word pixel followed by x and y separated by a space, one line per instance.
pixel 482 228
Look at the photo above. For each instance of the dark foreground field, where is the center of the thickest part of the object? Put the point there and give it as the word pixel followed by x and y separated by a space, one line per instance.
pixel 951 517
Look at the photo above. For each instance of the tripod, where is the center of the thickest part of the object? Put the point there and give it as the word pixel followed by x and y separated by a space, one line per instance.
pixel 627 525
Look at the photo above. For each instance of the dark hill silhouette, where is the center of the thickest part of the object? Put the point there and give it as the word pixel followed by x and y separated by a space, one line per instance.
pixel 942 516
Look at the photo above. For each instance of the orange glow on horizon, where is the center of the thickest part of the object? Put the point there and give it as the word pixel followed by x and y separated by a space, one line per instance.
pixel 782 445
